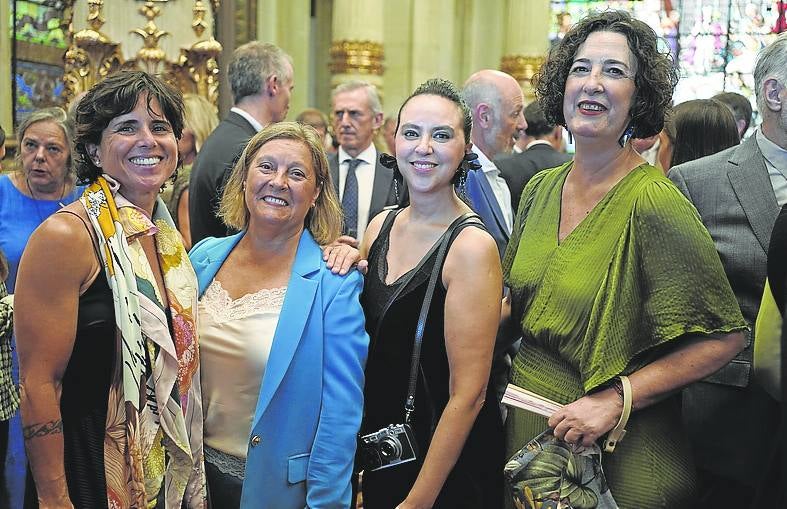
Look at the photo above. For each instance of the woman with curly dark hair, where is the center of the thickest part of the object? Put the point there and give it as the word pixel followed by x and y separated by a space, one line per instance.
pixel 613 277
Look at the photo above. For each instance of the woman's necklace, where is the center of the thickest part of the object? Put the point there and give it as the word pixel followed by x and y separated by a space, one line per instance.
pixel 36 199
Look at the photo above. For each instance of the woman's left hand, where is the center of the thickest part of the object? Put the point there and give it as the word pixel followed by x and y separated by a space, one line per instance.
pixel 341 256
pixel 585 420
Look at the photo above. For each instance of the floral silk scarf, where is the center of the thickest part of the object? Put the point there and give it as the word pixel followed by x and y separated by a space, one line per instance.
pixel 153 441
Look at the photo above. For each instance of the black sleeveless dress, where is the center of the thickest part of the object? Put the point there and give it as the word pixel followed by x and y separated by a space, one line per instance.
pixel 476 480
pixel 83 401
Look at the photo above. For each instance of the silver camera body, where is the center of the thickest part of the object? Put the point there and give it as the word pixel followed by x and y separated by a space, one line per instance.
pixel 391 446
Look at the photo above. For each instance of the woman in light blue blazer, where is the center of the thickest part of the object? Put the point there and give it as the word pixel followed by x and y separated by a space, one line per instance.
pixel 282 339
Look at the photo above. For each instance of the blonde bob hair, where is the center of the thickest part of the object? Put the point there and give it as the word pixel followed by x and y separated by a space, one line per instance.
pixel 200 116
pixel 324 221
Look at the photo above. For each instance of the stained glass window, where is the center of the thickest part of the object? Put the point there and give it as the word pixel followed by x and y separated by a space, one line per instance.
pixel 39 45
pixel 714 42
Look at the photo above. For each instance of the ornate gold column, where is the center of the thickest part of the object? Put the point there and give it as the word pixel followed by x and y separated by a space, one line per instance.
pixel 526 41
pixel 91 56
pixel 357 47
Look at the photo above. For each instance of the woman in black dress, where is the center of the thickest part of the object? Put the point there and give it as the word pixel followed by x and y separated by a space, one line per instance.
pixel 456 422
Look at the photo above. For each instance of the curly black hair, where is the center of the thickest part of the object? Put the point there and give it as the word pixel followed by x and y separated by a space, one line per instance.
pixel 117 95
pixel 655 80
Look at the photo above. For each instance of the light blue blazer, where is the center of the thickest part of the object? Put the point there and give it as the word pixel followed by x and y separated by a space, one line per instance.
pixel 303 434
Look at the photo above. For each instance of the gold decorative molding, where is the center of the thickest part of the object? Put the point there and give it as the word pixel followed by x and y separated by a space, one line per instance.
pixel 357 57
pixel 198 23
pixel 91 56
pixel 197 70
pixel 150 56
pixel 521 67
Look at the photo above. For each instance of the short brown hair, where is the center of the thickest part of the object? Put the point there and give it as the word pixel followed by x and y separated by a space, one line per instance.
pixel 324 221
pixel 117 95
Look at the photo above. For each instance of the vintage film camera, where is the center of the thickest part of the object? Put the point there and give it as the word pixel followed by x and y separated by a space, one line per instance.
pixel 388 447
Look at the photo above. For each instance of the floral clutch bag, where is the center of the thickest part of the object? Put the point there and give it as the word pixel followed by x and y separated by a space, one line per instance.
pixel 548 473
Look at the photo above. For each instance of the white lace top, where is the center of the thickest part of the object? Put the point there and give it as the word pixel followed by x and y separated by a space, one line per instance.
pixel 235 340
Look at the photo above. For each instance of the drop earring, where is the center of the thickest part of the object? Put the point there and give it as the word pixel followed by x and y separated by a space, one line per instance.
pixel 626 136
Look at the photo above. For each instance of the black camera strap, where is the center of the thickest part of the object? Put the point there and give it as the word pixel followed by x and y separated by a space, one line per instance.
pixel 409 406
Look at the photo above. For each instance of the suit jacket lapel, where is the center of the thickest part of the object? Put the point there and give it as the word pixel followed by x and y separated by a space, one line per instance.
pixel 207 267
pixel 749 179
pixel 381 188
pixel 295 311
pixel 333 166
pixel 488 195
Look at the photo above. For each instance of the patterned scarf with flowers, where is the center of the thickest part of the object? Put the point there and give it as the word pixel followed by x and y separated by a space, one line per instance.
pixel 153 441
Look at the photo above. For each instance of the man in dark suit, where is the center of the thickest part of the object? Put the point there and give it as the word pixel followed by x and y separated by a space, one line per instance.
pixel 496 102
pixel 544 141
pixel 738 193
pixel 261 79
pixel 363 185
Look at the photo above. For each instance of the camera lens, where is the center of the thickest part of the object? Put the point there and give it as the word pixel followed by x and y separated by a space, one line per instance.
pixel 390 448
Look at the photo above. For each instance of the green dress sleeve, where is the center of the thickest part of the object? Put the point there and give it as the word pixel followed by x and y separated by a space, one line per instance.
pixel 667 282
pixel 684 285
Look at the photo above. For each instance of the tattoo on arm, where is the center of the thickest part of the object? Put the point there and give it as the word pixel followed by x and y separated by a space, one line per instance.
pixel 42 430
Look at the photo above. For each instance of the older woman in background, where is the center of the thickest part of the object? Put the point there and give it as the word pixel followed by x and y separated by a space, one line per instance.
pixel 283 340
pixel 199 120
pixel 599 277
pixel 105 318
pixel 43 183
pixel 695 129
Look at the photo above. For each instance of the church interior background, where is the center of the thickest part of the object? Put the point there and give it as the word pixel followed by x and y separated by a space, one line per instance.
pixel 59 48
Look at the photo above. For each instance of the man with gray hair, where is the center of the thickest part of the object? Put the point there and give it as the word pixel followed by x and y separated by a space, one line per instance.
pixel 496 102
pixel 738 193
pixel 261 79
pixel 364 186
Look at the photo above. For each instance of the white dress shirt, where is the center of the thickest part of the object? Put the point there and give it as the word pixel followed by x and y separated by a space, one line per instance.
pixel 776 162
pixel 364 172
pixel 253 121
pixel 499 187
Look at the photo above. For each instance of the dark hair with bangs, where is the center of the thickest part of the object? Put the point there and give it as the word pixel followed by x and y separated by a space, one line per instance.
pixel 655 80
pixel 117 95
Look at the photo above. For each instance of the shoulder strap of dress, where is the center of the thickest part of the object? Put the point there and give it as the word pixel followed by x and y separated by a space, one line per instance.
pixel 385 231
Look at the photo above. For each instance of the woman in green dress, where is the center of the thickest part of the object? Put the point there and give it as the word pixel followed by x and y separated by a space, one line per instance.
pixel 611 271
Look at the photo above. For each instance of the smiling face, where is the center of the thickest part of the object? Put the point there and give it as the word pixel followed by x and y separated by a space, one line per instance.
pixel 429 143
pixel 45 155
pixel 281 185
pixel 354 122
pixel 600 87
pixel 138 149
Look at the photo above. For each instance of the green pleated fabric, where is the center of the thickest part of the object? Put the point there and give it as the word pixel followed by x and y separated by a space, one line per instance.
pixel 637 273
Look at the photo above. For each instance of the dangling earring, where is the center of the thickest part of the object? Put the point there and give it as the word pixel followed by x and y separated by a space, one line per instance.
pixel 626 136
pixel 461 185
pixel 570 137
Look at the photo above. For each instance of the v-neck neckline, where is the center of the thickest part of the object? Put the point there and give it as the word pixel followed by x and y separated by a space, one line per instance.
pixel 593 212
